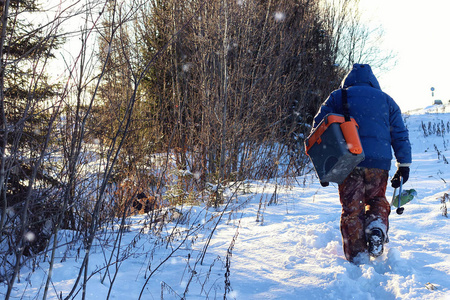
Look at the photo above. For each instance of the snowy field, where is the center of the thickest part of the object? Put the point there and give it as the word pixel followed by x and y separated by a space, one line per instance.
pixel 288 250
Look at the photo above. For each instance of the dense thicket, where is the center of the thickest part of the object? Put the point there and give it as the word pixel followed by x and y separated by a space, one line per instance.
pixel 231 84
pixel 241 78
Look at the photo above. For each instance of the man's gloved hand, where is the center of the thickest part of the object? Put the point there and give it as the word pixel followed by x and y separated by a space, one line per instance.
pixel 404 173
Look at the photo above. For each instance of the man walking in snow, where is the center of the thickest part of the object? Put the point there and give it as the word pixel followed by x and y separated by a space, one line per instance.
pixel 365 209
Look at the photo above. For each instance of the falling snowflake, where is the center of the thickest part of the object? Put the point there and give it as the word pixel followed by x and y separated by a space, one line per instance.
pixel 186 67
pixel 30 236
pixel 280 16
pixel 197 175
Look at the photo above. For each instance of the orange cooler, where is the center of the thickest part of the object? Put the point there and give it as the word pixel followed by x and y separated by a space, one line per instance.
pixel 334 148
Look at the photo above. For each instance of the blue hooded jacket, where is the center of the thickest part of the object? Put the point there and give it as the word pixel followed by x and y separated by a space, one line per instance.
pixel 378 116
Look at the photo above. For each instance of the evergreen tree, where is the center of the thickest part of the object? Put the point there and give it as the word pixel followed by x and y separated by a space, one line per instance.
pixel 25 48
pixel 25 118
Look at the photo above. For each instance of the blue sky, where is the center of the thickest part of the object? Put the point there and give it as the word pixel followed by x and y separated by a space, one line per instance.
pixel 419 33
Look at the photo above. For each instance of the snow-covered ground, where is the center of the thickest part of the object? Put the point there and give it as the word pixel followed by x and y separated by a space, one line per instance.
pixel 288 250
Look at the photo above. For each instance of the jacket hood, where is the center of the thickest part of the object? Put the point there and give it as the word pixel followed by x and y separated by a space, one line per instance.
pixel 361 74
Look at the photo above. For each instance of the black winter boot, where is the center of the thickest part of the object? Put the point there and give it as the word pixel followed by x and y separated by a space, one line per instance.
pixel 376 242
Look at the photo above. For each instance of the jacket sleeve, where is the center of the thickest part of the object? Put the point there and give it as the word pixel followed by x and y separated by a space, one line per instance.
pixel 326 108
pixel 399 135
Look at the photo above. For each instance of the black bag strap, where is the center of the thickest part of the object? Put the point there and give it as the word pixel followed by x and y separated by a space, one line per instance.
pixel 345 105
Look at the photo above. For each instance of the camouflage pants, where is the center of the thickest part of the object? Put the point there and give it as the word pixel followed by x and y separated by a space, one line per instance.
pixel 364 206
